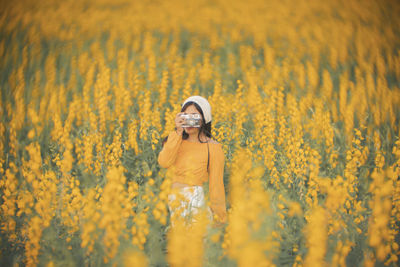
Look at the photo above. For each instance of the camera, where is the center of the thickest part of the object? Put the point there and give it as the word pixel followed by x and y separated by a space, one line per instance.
pixel 191 120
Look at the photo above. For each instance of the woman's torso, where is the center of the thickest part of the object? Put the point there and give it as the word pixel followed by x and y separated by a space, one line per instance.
pixel 191 164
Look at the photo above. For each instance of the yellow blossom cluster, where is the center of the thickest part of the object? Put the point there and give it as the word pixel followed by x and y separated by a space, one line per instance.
pixel 113 216
pixel 10 202
pixel 160 211
pixel 90 219
pixel 140 230
pixel 316 233
pixel 250 206
pixel 381 233
pixel 186 241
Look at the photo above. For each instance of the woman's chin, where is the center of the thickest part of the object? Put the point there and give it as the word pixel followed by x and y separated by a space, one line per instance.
pixel 190 130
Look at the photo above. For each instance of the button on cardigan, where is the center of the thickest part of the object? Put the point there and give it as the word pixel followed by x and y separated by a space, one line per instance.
pixel 188 161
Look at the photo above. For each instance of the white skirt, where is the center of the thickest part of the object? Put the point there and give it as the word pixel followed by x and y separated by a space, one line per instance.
pixel 190 202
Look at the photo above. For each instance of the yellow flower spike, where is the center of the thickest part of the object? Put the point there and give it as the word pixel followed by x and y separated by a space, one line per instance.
pixel 31 134
pixel 294 209
pixel 134 258
pixel 134 230
pixel 146 231
pixel 215 237
pixel 163 220
pixel 157 214
pixel 275 234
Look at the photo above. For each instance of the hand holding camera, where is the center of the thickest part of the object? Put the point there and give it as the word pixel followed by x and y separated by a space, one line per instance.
pixel 178 123
pixel 183 120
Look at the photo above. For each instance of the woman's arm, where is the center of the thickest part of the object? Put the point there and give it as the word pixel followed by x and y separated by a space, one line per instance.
pixel 169 152
pixel 216 182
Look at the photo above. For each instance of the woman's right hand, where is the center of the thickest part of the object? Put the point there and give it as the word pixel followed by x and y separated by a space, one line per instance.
pixel 179 122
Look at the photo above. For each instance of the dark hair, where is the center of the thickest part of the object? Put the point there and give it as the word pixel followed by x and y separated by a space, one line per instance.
pixel 204 128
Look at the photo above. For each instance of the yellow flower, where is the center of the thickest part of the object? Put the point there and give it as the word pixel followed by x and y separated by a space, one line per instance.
pixel 134 258
pixel 31 134
pixel 215 237
pixel 294 209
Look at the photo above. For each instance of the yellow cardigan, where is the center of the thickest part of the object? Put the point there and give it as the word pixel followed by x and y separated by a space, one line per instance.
pixel 189 163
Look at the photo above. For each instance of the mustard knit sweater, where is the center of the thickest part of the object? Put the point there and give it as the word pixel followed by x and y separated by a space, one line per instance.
pixel 188 161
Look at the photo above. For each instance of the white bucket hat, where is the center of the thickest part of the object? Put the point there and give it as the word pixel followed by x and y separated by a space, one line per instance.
pixel 204 105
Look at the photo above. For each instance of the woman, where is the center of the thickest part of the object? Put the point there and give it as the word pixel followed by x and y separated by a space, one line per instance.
pixel 194 159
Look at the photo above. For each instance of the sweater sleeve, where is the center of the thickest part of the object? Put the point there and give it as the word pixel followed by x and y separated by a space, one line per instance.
pixel 216 183
pixel 169 152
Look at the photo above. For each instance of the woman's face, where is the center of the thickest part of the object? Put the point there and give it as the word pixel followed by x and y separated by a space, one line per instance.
pixel 192 110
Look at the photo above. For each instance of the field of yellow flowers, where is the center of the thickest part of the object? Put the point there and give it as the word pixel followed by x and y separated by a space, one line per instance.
pixel 305 98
